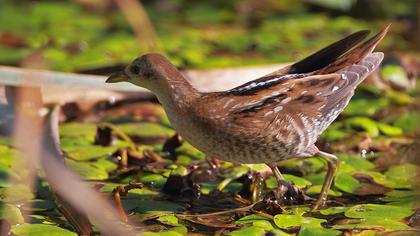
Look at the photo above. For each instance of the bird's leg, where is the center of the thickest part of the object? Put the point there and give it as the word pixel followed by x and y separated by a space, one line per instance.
pixel 281 183
pixel 332 163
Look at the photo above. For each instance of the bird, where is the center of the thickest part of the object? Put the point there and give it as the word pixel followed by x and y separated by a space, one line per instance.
pixel 273 118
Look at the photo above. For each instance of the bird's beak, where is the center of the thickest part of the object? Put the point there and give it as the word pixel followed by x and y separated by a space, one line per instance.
pixel 117 77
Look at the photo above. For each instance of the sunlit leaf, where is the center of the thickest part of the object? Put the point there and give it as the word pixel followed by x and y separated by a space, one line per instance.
pixel 251 230
pixel 40 230
pixel 379 211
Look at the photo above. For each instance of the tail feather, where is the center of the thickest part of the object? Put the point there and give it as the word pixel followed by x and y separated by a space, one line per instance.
pixel 356 54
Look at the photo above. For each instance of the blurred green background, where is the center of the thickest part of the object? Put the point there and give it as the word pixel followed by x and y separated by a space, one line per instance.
pixel 85 36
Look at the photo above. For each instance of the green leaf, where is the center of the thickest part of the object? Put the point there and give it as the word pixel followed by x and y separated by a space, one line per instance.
pixel 333 210
pixel 316 189
pixel 375 210
pixel 146 129
pixel 299 182
pixel 86 153
pixel 16 194
pixel 12 214
pixel 365 107
pixel 365 124
pixel 40 230
pixel 409 122
pixel 356 162
pixel 390 130
pixel 403 172
pixel 168 220
pixel 256 220
pixel 87 171
pixel 346 182
pixel 251 230
pixel 373 223
pixel 396 75
pixel 153 180
pixel 287 221
pixel 78 129
pixel 250 218
pixel 309 231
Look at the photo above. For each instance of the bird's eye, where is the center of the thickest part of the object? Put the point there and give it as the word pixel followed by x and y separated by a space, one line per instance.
pixel 135 69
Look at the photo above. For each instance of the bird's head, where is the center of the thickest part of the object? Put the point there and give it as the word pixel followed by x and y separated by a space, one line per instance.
pixel 144 71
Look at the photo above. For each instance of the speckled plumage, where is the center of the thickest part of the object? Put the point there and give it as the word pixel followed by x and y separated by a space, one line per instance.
pixel 276 117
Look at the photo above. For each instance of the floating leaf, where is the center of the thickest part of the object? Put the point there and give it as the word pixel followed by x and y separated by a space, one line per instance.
pixel 18 193
pixel 373 223
pixel 153 180
pixel 299 182
pixel 409 122
pixel 333 210
pixel 365 124
pixel 251 230
pixel 346 182
pixel 168 220
pixel 78 129
pixel 355 161
pixel 365 107
pixel 87 171
pixel 146 129
pixel 40 230
pixel 316 189
pixel 12 214
pixel 319 231
pixel 287 221
pixel 396 75
pixel 378 211
pixel 403 172
pixel 86 153
pixel 390 130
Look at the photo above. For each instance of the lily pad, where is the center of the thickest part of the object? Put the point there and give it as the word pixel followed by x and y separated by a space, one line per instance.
pixel 365 124
pixel 378 211
pixel 373 223
pixel 288 221
pixel 346 182
pixel 168 220
pixel 409 122
pixel 299 182
pixel 78 130
pixel 355 161
pixel 390 130
pixel 146 129
pixel 40 230
pixel 87 171
pixel 251 230
pixel 18 193
pixel 316 189
pixel 333 210
pixel 403 172
pixel 86 153
pixel 365 107
pixel 309 231
pixel 12 214
pixel 256 220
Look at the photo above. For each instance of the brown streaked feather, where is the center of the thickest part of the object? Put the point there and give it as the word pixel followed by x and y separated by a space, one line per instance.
pixel 325 56
pixel 355 55
pixel 310 104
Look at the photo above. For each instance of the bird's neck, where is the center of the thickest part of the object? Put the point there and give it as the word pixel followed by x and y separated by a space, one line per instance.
pixel 176 93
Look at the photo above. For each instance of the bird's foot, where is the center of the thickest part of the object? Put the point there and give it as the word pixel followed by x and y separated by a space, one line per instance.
pixel 287 193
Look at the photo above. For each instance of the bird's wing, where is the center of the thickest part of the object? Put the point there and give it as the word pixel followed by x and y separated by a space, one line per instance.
pixel 302 108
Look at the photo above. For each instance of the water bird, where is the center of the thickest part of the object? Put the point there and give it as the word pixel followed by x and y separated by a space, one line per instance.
pixel 273 118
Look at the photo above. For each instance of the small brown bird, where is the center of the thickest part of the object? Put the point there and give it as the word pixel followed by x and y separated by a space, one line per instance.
pixel 273 118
